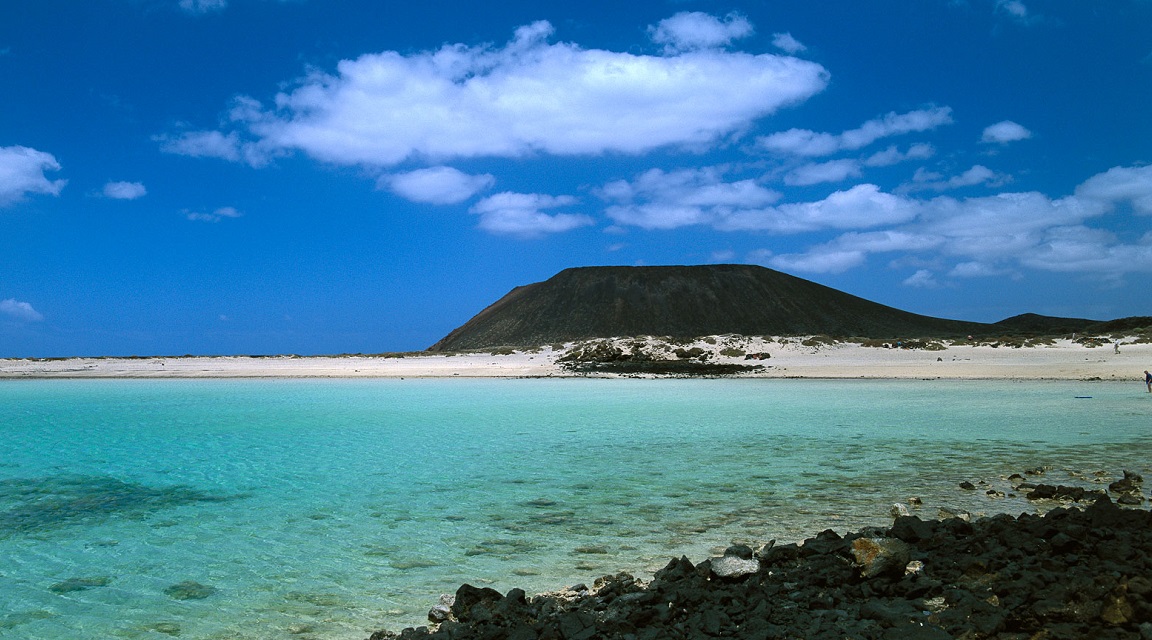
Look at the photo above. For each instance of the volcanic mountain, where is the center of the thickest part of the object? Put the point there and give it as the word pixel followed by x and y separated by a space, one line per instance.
pixel 685 302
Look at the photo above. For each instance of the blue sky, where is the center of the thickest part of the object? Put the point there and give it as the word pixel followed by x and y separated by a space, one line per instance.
pixel 298 176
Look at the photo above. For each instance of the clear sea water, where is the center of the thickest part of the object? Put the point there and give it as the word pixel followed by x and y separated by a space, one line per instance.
pixel 330 508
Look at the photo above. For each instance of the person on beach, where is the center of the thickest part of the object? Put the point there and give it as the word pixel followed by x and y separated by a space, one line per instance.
pixel 1117 346
pixel 1148 380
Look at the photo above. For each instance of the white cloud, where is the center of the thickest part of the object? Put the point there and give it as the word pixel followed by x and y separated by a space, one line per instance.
pixel 437 185
pixel 202 144
pixel 892 155
pixel 803 142
pixel 660 200
pixel 215 216
pixel 786 43
pixel 980 236
pixel 819 172
pixel 978 175
pixel 1079 249
pixel 688 31
pixel 19 311
pixel 863 206
pixel 124 190
pixel 1121 184
pixel 202 6
pixel 524 98
pixel 521 214
pixel 819 261
pixel 666 200
pixel 1005 132
pixel 1013 8
pixel 922 279
pixel 975 270
pixel 996 235
pixel 1017 11
pixel 888 240
pixel 22 172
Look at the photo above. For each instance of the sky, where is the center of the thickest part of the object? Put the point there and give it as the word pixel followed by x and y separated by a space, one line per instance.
pixel 362 176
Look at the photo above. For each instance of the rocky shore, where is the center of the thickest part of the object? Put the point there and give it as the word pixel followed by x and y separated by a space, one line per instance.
pixel 1072 573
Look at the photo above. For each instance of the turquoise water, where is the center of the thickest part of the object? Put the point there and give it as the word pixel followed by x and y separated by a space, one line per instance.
pixel 329 508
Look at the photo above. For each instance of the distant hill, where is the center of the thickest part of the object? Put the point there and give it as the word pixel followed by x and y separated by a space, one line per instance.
pixel 1044 325
pixel 686 302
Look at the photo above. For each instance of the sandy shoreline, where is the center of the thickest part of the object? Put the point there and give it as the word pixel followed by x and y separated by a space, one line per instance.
pixel 1063 360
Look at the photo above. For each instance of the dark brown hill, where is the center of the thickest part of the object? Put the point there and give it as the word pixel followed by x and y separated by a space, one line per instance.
pixel 1044 325
pixel 685 302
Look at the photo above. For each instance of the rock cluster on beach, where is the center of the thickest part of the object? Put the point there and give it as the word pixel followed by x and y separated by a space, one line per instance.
pixel 1071 573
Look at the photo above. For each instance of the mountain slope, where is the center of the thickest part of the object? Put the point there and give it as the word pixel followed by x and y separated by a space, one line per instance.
pixel 684 302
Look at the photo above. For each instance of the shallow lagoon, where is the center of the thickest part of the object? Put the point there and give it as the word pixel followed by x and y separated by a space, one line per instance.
pixel 328 508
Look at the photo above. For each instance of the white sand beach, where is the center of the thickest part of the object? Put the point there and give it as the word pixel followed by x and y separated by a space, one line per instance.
pixel 1063 360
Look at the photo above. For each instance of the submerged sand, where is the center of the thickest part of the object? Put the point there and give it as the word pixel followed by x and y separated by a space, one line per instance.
pixel 789 358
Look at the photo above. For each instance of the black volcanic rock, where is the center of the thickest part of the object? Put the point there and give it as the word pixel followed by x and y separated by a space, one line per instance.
pixel 1071 574
pixel 685 302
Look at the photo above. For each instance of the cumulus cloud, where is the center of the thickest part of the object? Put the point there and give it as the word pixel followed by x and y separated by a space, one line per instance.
pixel 19 311
pixel 124 190
pixel 214 216
pixel 1004 132
pixel 803 142
pixel 818 172
pixel 786 43
pixel 522 214
pixel 1131 185
pixel 996 235
pixel 437 185
pixel 526 97
pixel 820 261
pixel 892 155
pixel 22 172
pixel 669 200
pixel 691 30
pixel 924 180
pixel 861 207
pixel 666 200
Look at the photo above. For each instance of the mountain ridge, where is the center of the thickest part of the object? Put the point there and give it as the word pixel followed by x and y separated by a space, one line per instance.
pixel 581 303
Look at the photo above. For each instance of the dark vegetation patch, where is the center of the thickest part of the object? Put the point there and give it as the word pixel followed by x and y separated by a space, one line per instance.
pixel 34 505
pixel 661 367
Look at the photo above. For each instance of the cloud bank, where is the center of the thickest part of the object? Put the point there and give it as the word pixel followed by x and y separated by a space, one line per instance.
pixel 980 236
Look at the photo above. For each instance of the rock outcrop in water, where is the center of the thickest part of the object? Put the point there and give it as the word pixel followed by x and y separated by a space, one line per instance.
pixel 1068 574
